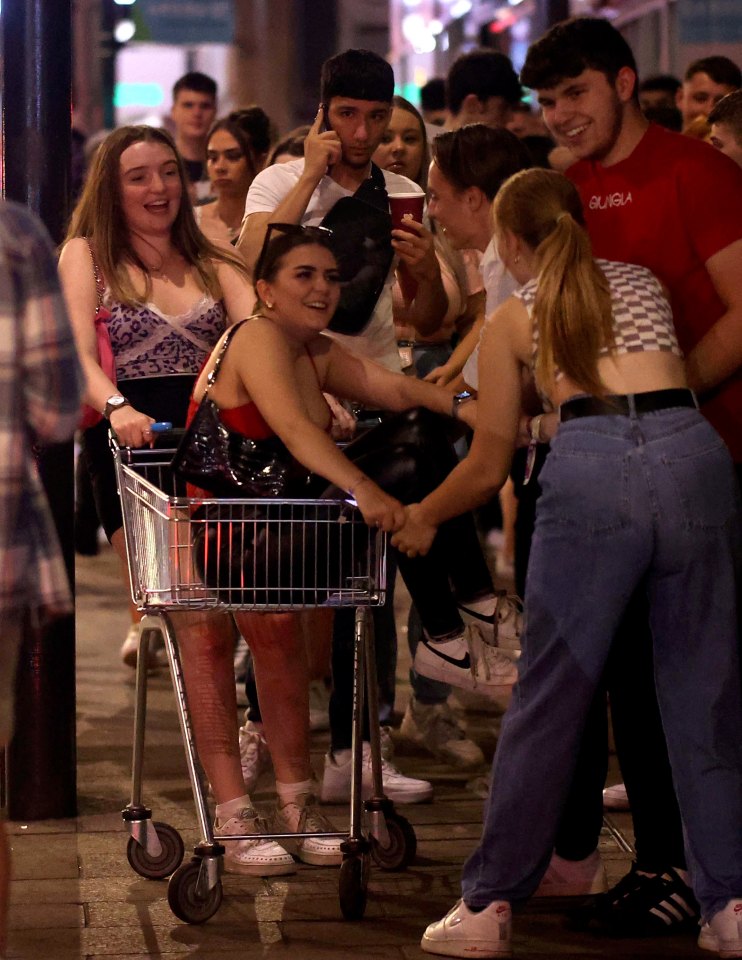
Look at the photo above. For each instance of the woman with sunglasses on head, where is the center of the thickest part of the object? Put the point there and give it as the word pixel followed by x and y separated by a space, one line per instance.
pixel 270 384
pixel 236 151
pixel 637 489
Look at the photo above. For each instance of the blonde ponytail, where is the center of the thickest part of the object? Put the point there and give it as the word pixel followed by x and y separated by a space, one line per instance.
pixel 572 308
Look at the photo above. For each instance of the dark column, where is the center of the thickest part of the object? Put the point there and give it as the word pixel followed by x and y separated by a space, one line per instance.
pixel 36 94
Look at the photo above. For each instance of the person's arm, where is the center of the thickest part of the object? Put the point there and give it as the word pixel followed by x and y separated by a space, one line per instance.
pixel 456 362
pixel 265 366
pixel 237 292
pixel 368 383
pixel 718 354
pixel 52 376
pixel 477 478
pixel 321 150
pixel 78 285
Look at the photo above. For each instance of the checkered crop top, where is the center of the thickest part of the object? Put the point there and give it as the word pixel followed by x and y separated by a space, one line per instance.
pixel 642 318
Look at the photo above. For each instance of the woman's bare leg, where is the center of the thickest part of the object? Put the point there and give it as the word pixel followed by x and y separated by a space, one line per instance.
pixel 282 677
pixel 206 642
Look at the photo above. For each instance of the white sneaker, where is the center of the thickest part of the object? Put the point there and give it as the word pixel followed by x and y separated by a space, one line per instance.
pixel 722 934
pixel 616 798
pixel 436 728
pixel 255 757
pixel 463 933
pixel 398 787
pixel 319 706
pixel 130 650
pixel 304 817
pixel 573 878
pixel 252 858
pixel 504 627
pixel 466 661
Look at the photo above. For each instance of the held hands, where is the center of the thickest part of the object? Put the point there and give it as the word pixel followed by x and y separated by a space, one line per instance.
pixel 322 148
pixel 416 537
pixel 377 508
pixel 132 428
pixel 414 244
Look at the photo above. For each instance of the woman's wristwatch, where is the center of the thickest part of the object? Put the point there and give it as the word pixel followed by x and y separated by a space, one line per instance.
pixel 458 399
pixel 115 402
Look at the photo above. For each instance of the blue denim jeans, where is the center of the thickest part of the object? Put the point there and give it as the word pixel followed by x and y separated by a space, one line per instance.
pixel 627 502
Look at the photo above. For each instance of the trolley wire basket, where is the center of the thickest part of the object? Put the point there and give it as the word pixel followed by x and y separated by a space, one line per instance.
pixel 190 552
pixel 247 554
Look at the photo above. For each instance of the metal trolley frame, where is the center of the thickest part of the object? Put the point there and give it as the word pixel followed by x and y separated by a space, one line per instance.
pixel 295 554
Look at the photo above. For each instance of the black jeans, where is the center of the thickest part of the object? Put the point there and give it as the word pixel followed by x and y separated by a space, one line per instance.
pixel 409 455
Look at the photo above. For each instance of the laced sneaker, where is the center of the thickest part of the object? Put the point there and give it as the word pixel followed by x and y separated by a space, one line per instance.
pixel 616 797
pixel 398 787
pixel 722 934
pixel 436 728
pixel 466 661
pixel 573 878
pixel 256 857
pixel 255 757
pixel 504 626
pixel 466 933
pixel 642 904
pixel 304 817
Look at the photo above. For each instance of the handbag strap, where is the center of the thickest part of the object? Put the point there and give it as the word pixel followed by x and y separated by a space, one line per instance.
pixel 213 373
pixel 100 286
pixel 373 190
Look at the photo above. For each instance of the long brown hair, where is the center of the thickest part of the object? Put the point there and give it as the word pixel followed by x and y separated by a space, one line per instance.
pixel 99 216
pixel 572 307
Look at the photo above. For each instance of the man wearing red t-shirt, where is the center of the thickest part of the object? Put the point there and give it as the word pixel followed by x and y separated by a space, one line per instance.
pixel 670 203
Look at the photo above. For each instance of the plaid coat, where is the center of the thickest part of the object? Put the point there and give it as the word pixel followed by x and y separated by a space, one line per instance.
pixel 41 385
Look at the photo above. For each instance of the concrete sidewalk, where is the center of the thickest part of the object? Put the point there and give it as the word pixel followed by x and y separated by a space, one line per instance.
pixel 75 896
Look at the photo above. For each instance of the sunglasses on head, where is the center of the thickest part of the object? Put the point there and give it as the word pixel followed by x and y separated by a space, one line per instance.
pixel 323 234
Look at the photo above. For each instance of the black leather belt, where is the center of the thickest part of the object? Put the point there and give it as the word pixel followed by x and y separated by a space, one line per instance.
pixel 624 405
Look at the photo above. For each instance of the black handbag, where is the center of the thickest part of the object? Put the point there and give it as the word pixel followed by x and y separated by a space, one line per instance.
pixel 363 229
pixel 226 463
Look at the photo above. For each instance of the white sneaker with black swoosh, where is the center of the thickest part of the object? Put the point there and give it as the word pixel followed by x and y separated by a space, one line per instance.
pixel 466 661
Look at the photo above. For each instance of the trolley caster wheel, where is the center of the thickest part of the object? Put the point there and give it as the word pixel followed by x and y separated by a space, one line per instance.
pixel 354 873
pixel 400 852
pixel 167 861
pixel 184 899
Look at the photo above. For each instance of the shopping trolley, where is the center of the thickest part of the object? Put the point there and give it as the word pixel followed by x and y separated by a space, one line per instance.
pixel 296 554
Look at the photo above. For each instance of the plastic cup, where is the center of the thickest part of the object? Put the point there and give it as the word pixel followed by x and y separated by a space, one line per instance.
pixel 406 206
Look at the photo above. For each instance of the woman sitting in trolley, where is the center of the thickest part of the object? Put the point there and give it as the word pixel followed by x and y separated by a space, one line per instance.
pixel 270 383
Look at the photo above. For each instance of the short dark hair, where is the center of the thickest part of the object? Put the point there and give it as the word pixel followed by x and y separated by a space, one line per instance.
pixel 277 244
pixel 485 73
pixel 433 94
pixel 195 81
pixel 729 111
pixel 581 43
pixel 668 117
pixel 477 155
pixel 357 74
pixel 661 82
pixel 720 69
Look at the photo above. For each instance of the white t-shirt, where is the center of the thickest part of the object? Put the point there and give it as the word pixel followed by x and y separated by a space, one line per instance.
pixel 377 341
pixel 498 286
